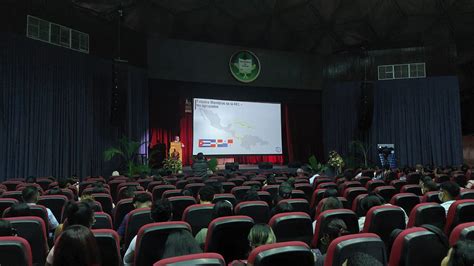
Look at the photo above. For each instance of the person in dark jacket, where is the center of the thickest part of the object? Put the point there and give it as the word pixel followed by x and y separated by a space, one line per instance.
pixel 200 166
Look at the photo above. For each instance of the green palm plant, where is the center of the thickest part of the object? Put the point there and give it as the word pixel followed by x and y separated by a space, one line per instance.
pixel 127 151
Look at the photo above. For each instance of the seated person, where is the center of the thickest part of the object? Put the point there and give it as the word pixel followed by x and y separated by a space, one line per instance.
pixel 200 166
pixel 260 234
pixel 281 207
pixel 180 243
pixel 284 192
pixel 333 230
pixel 206 194
pixel 448 192
pixel 161 211
pixel 76 246
pixel 142 200
pixel 6 228
pixel 461 254
pixel 221 208
pixel 18 210
pixel 30 196
pixel 361 259
pixel 373 200
pixel 331 203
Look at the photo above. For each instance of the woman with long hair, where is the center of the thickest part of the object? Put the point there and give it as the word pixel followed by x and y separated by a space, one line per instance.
pixel 76 246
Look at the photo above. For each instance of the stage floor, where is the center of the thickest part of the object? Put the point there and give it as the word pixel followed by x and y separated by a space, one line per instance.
pixel 248 167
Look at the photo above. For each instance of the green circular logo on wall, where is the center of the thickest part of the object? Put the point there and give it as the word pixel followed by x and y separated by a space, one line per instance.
pixel 244 66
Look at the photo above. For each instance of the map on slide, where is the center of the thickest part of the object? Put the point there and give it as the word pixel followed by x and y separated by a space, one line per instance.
pixel 231 127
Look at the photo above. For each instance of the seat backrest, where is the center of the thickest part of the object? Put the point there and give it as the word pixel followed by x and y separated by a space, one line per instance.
pixel 299 205
pixel 123 207
pixel 348 216
pixel 225 196
pixel 327 185
pixel 364 180
pixel 321 204
pixel 347 184
pixel 431 196
pixel 11 184
pixel 398 184
pixel 461 211
pixel 15 250
pixel 257 210
pixel 6 203
pixel 411 188
pixel 306 188
pixel 122 192
pixel 105 200
pixel 44 182
pixel 386 192
pixel 41 212
pixel 410 246
pixel 179 204
pixel 382 220
pixel 102 221
pixel 55 203
pixel 172 193
pixel 151 241
pixel 466 194
pixel 228 236
pixel 109 245
pixel 208 259
pixel 298 194
pixel 238 181
pixel 265 196
pixel 463 231
pixel 194 187
pixel 317 196
pixel 159 189
pixel 228 186
pixel 33 230
pixel 343 247
pixel 356 207
pixel 198 216
pixel 240 191
pixel 351 193
pixel 282 254
pixel 153 184
pixel 137 219
pixel 427 213
pixel 320 180
pixel 407 201
pixel 292 226
pixel 372 184
pixel 13 195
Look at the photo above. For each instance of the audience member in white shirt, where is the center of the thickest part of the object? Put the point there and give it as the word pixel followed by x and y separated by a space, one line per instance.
pixel 448 192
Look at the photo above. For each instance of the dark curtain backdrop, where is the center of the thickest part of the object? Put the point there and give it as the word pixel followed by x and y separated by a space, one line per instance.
pixel 420 116
pixel 301 117
pixel 55 110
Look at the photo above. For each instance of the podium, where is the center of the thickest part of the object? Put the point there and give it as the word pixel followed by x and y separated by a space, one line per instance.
pixel 176 150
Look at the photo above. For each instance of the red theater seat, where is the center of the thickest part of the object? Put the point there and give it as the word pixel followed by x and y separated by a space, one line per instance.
pixel 306 188
pixel 225 196
pixel 327 185
pixel 257 210
pixel 282 254
pixel 6 203
pixel 415 189
pixel 299 205
pixel 15 251
pixel 151 240
pixel 431 196
pixel 105 200
pixel 343 247
pixel 317 196
pixel 240 191
pixel 386 192
pixel 102 221
pixel 352 192
pixel 194 188
pixel 410 246
pixel 463 231
pixel 321 203
pixel 466 194
pixel 407 201
pixel 158 190
pixel 265 196
pixel 348 216
pixel 13 195
pixel 427 213
pixel 208 259
pixel 461 211
pixel 172 193
pixel 228 186
pixel 137 219
pixel 198 216
pixel 292 226
pixel 179 204
pixel 123 207
pixel 55 203
pixel 356 205
pixel 398 184
pixel 382 220
pixel 298 194
pixel 372 184
pixel 228 237
pixel 11 184
pixel 109 245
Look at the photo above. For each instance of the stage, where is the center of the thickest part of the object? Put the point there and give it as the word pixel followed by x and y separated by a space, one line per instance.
pixel 250 167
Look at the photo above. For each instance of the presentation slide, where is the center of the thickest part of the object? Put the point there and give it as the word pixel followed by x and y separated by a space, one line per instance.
pixel 236 128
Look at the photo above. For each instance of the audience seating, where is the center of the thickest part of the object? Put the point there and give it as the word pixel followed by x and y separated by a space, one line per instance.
pixel 102 221
pixel 348 216
pixel 466 194
pixel 257 210
pixel 382 220
pixel 228 237
pixel 105 200
pixel 44 183
pixel 306 188
pixel 321 203
pixel 317 196
pixel 272 189
pixel 179 204
pixel 181 184
pixel 121 193
pixel 282 254
pixel 109 245
pixel 55 203
pixel 386 192
pixel 13 195
pixel 153 184
pixel 144 182
pixel 228 186
pixel 364 180
pixel 352 192
pixel 225 196
pixel 320 180
pixel 40 212
pixel 33 230
pixel 292 226
pixel 6 203
pixel 240 191
pixel 427 213
pixel 298 194
pixel 11 184
pixel 121 209
pixel 431 196
pixel 348 184
pixel 252 183
pixel 198 216
pixel 372 184
pixel 194 187
pixel 137 219
pixel 265 196
pixel 415 189
pixel 238 181
pixel 343 247
pixel 407 201
pixel 151 240
pixel 172 193
pixel 413 178
pixel 299 205
pixel 356 205
pixel 208 259
pixel 463 231
pixel 411 245
pixel 15 251
pixel 158 190
pixel 398 184
pixel 461 211
pixel 327 185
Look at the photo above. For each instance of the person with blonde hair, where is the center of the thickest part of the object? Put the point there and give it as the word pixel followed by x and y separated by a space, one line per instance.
pixel 259 235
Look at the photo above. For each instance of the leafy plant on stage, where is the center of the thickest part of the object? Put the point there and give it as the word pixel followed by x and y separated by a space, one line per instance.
pixel 359 150
pixel 127 152
pixel 315 166
pixel 212 163
pixel 172 164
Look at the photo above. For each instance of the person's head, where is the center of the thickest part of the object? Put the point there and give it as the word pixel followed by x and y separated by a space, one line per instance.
pixel 448 191
pixel 129 192
pixel 115 173
pixel 222 208
pixel 334 229
pixel 180 243
pixel 30 179
pixel 300 172
pixel 282 207
pixel 76 246
pixel 200 156
pixel 30 194
pixel 330 192
pixel 161 210
pixel 176 138
pixel 89 199
pixel 54 191
pixel 284 191
pixel 79 213
pixel 461 254
pixel 206 194
pixel 370 201
pixel 349 174
pixel 331 203
pixel 6 228
pixel 64 182
pixel 251 195
pixel 19 210
pixel 142 200
pixel 460 180
pixel 361 259
pixel 261 234
pixel 428 186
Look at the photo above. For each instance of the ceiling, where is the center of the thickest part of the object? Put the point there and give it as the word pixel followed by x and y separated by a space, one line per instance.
pixel 314 26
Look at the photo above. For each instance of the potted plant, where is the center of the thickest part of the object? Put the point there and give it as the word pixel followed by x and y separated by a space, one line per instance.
pixel 172 164
pixel 127 151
